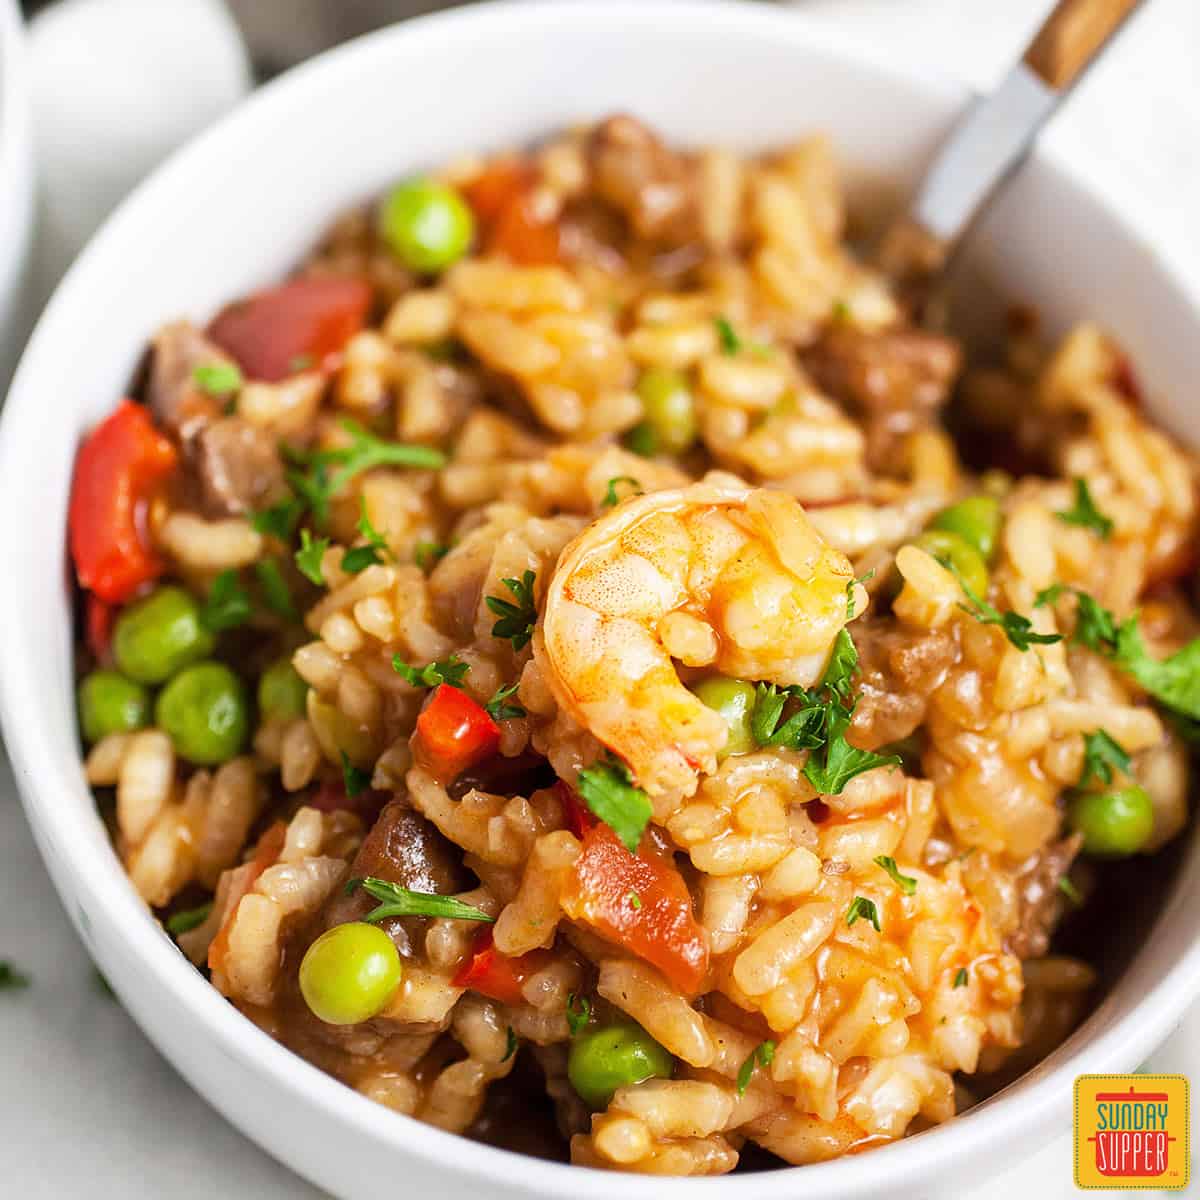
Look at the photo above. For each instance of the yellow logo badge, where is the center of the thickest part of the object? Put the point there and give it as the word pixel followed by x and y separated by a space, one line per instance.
pixel 1132 1131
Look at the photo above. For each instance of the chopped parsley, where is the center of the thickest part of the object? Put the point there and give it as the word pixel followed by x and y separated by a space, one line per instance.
pixel 606 788
pixel 355 779
pixel 274 588
pixel 860 906
pixel 635 901
pixel 1017 628
pixel 610 496
pixel 906 883
pixel 510 1046
pixel 396 901
pixel 1068 889
pixel 217 379
pixel 498 707
pixel 11 978
pixel 516 620
pixel 359 558
pixel 446 670
pixel 228 604
pixel 308 557
pixel 1101 753
pixel 960 978
pixel 579 1012
pixel 428 554
pixel 761 1056
pixel 280 520
pixel 730 342
pixel 301 362
pixel 1085 513
pixel 188 919
pixel 840 311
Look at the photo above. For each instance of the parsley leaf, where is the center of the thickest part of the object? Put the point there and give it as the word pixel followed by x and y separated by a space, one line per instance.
pixel 396 901
pixel 301 362
pixel 359 558
pixel 1095 626
pixel 516 620
pixel 840 311
pixel 275 590
pixel 355 779
pixel 761 1056
pixel 227 605
pixel 803 730
pixel 446 670
pixel 1069 890
pixel 1017 628
pixel 217 379
pixel 860 906
pixel 906 883
pixel 829 771
pixel 960 977
pixel 635 901
pixel 843 662
pixel 1101 752
pixel 610 496
pixel 510 1046
pixel 428 554
pixel 1173 682
pixel 308 557
pixel 1085 513
pixel 280 520
pixel 366 452
pixel 730 342
pixel 188 919
pixel 579 1012
pixel 11 978
pixel 498 707
pixel 605 787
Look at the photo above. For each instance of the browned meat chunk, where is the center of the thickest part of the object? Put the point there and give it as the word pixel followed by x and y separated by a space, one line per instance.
pixel 898 670
pixel 179 406
pixel 239 467
pixel 895 380
pixel 1042 901
pixel 406 849
pixel 653 188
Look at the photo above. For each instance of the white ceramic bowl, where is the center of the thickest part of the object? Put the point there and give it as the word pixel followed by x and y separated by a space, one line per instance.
pixel 16 184
pixel 241 205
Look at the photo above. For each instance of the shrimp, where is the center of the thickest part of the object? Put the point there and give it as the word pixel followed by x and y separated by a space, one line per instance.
pixel 715 575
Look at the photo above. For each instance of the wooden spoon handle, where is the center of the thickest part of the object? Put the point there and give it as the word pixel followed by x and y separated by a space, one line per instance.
pixel 1072 36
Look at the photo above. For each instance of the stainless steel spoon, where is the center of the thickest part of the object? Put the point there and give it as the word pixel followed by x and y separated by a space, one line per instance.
pixel 994 136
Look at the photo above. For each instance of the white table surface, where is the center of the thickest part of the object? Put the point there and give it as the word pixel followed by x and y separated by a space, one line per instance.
pixel 89 1108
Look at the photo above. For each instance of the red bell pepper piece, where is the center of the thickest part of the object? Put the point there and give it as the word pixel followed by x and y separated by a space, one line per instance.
pixel 98 619
pixel 503 201
pixel 497 975
pixel 274 332
pixel 454 733
pixel 641 902
pixel 119 467
pixel 266 854
pixel 577 815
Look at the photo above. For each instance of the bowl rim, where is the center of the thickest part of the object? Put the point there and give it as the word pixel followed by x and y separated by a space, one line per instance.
pixel 998 1122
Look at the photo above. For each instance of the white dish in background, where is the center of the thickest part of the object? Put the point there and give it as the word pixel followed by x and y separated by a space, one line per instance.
pixel 188 240
pixel 16 184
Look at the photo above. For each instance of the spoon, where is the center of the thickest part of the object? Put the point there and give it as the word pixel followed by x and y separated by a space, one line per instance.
pixel 993 137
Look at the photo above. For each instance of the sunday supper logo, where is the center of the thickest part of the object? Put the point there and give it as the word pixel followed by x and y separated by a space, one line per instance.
pixel 1132 1131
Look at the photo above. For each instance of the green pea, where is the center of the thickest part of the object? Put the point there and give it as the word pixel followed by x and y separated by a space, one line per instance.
pixel 734 700
pixel 204 710
pixel 952 550
pixel 976 520
pixel 614 1056
pixel 668 411
pixel 110 703
pixel 156 636
pixel 426 225
pixel 349 973
pixel 1115 823
pixel 281 692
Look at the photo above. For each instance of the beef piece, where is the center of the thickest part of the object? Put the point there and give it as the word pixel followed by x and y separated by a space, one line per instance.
pixel 238 466
pixel 1041 900
pixel 406 849
pixel 899 670
pixel 178 405
pixel 895 381
pixel 652 187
